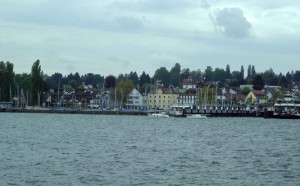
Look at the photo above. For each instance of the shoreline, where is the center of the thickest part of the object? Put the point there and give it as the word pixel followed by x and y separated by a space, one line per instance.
pixel 130 113
pixel 68 111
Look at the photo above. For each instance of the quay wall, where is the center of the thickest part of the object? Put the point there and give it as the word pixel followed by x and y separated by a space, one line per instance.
pixel 73 112
pixel 208 113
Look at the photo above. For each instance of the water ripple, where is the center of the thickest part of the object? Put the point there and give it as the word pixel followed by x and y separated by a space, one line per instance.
pixel 41 149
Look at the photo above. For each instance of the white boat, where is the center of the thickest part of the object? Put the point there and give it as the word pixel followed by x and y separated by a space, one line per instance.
pixel 177 110
pixel 159 115
pixel 196 116
pixel 288 107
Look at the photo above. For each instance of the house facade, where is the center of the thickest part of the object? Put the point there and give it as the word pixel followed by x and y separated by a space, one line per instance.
pixel 189 83
pixel 162 98
pixel 188 97
pixel 256 97
pixel 136 101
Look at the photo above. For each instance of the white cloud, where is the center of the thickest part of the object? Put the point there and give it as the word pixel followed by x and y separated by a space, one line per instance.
pixel 232 23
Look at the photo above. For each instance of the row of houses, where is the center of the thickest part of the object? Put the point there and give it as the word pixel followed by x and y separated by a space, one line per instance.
pixel 189 95
pixel 159 97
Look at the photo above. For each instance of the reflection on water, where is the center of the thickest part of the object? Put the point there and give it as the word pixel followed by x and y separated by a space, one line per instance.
pixel 53 149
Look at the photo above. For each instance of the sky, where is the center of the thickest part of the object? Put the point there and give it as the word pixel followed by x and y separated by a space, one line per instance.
pixel 110 37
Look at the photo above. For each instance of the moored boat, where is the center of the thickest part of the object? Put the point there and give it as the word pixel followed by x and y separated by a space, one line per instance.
pixel 196 116
pixel 158 115
pixel 287 108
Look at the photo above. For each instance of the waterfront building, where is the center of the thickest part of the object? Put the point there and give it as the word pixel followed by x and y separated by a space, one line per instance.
pixel 256 97
pixel 163 98
pixel 188 97
pixel 136 101
pixel 189 83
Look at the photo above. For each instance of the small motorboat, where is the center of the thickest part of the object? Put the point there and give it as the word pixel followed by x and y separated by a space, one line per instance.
pixel 196 116
pixel 159 115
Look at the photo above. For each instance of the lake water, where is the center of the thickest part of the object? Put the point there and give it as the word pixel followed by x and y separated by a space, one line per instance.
pixel 65 149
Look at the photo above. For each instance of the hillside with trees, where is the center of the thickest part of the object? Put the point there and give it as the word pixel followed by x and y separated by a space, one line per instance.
pixel 36 83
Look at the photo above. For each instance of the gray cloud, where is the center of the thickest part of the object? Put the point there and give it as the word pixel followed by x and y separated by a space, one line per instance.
pixel 205 5
pixel 117 36
pixel 127 23
pixel 232 22
pixel 165 6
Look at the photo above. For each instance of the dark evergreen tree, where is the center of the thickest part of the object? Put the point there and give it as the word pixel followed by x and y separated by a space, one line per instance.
pixel 2 81
pixel 289 80
pixel 258 83
pixel 163 75
pixel 110 82
pixel 196 75
pixel 185 74
pixel 23 81
pixel 249 72
pixel 219 75
pixel 7 81
pixel 208 74
pixel 175 75
pixel 228 73
pixel 133 77
pixel 144 78
pixel 89 79
pixel 242 73
pixel 297 76
pixel 37 81
pixel 253 72
pixel 283 82
pixel 98 80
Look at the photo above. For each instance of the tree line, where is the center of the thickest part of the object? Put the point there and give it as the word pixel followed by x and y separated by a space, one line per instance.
pixel 37 82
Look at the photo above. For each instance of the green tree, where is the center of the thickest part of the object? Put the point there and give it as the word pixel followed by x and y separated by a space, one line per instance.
pixel 242 76
pixel 134 78
pixel 23 81
pixel 7 82
pixel 162 74
pixel 208 74
pixel 206 95
pixel 110 82
pixel 219 75
pixel 145 82
pixel 37 81
pixel 2 81
pixel 185 74
pixel 175 75
pixel 196 74
pixel 123 88
pixel 249 75
pixel 258 83
pixel 296 76
pixel 253 71
pixel 73 84
pixel 228 73
pixel 283 82
pixel 89 79
pixel 270 77
pixel 246 91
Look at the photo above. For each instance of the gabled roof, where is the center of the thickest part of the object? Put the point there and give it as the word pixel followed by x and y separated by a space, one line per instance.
pixel 189 91
pixel 189 82
pixel 237 97
pixel 258 93
pixel 166 90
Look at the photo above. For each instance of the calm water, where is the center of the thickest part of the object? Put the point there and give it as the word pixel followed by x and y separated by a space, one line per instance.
pixel 50 149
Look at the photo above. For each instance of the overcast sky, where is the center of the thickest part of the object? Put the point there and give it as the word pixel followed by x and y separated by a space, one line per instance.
pixel 118 36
